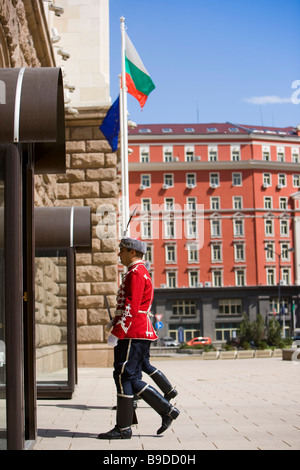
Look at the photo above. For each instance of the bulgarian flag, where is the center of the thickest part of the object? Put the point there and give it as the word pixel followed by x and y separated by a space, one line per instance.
pixel 138 81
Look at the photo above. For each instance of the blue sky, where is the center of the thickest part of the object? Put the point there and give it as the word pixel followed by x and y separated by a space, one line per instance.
pixel 213 61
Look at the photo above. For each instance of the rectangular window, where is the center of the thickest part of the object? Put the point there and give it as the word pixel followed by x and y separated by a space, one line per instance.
pixel 281 180
pixel 286 276
pixel 146 205
pixel 212 154
pixel 171 279
pixel 144 155
pixel 267 179
pixel 238 228
pixel 269 228
pixel 171 254
pixel 168 154
pixel 216 253
pixel 270 252
pixel 235 153
pixel 280 154
pixel 217 278
pixel 215 227
pixel 236 179
pixel 215 203
pixel 191 180
pixel 285 253
pixel 149 254
pixel 296 181
pixel 266 153
pixel 193 278
pixel 283 203
pixel 271 277
pixel 189 154
pixel 230 307
pixel 268 202
pixel 193 253
pixel 237 202
pixel 168 180
pixel 146 229
pixel 240 278
pixel 191 203
pixel 169 204
pixel 239 252
pixel 183 308
pixel 146 181
pixel 191 229
pixel 169 228
pixel 214 180
pixel 295 155
pixel 284 228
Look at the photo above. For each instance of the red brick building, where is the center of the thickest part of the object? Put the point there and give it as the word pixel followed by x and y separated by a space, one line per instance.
pixel 218 205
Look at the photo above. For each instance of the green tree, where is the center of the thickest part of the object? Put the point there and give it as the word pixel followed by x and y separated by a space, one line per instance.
pixel 258 329
pixel 274 333
pixel 245 330
pixel 251 332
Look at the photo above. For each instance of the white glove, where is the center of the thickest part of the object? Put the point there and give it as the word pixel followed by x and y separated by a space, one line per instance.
pixel 112 340
pixel 109 325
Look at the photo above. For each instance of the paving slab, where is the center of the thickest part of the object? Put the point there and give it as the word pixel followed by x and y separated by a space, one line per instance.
pixel 249 404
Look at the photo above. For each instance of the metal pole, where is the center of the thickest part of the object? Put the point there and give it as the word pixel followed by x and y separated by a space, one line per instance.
pixel 124 129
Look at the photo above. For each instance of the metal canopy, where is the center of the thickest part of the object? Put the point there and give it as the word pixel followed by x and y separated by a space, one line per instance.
pixel 63 227
pixel 32 111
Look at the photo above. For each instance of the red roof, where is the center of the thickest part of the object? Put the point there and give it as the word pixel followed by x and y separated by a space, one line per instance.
pixel 208 129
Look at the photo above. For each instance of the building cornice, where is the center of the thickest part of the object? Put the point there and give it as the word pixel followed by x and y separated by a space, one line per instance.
pixel 197 138
pixel 214 166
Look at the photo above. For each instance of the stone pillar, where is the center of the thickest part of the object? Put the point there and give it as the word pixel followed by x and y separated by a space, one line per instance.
pixel 91 180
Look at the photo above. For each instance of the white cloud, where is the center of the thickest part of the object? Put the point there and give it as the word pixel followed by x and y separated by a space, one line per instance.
pixel 272 99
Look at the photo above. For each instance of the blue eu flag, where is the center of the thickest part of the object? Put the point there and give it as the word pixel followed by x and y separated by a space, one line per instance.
pixel 110 126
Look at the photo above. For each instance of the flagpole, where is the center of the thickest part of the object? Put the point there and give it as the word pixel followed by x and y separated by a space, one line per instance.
pixel 122 161
pixel 124 133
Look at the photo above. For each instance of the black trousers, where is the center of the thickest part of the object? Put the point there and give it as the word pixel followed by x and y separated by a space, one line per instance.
pixel 129 355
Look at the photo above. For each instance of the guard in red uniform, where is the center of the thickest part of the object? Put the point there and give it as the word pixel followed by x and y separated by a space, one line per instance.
pixel 132 331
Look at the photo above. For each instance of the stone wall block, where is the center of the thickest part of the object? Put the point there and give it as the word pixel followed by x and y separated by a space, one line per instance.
pixel 63 191
pixel 90 301
pixel 110 273
pixel 82 316
pixel 84 189
pixel 87 160
pixel 89 274
pixel 105 258
pixel 97 316
pixel 90 334
pixel 109 189
pixel 108 288
pixel 111 159
pixel 71 176
pixel 74 146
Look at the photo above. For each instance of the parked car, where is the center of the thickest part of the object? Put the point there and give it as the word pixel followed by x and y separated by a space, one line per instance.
pixel 206 341
pixel 168 341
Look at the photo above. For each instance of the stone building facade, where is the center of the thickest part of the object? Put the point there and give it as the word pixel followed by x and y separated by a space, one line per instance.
pixel 90 179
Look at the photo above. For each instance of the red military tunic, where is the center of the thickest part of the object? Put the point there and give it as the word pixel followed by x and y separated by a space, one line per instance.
pixel 134 301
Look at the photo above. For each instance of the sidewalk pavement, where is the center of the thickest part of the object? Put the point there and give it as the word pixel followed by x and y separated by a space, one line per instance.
pixel 241 404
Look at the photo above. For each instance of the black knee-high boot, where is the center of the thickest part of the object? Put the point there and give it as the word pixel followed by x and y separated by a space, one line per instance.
pixel 161 406
pixel 122 430
pixel 163 383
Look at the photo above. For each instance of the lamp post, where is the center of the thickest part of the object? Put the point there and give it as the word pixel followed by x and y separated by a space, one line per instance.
pixel 290 250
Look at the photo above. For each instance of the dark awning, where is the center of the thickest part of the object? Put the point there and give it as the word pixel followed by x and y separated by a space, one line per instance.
pixel 63 227
pixel 32 111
